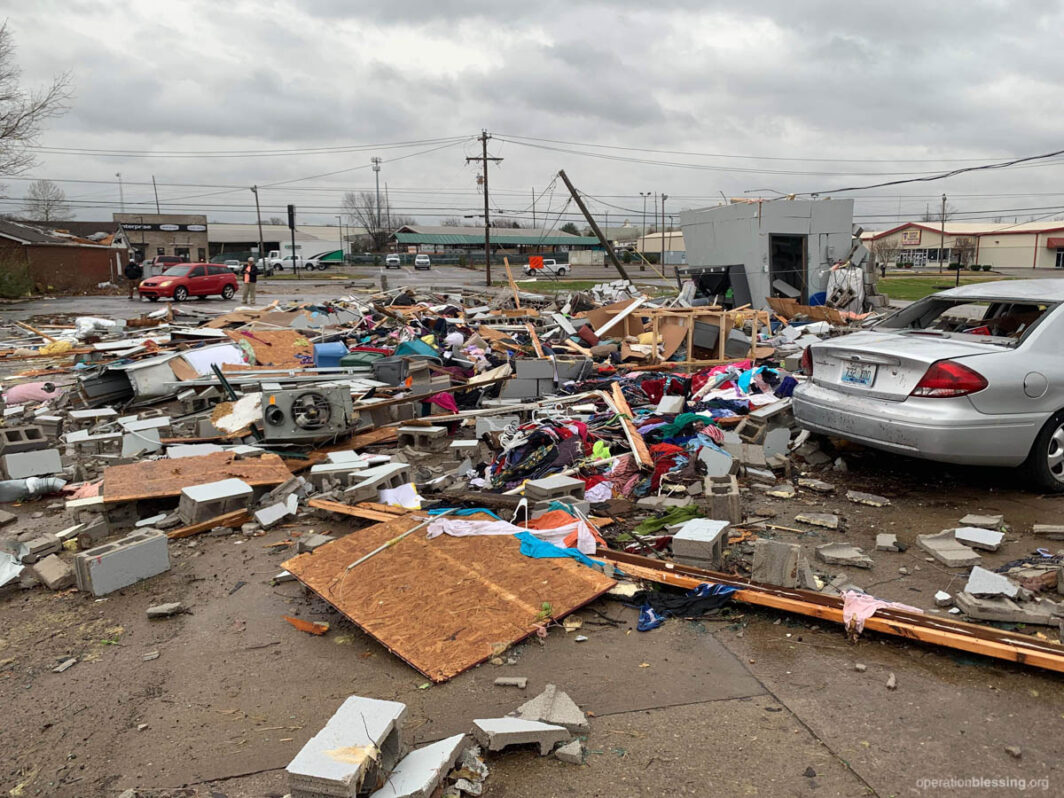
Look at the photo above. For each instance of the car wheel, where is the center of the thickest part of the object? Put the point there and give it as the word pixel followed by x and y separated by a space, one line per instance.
pixel 563 271
pixel 228 291
pixel 180 294
pixel 1045 463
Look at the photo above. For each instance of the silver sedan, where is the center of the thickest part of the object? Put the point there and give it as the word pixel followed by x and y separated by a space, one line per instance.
pixel 972 375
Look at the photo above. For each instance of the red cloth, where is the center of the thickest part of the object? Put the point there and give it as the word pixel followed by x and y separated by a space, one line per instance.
pixel 557 518
pixel 444 400
pixel 664 457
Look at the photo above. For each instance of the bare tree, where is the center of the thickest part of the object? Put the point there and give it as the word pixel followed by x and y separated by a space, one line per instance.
pixel 46 202
pixel 379 221
pixel 503 222
pixel 884 250
pixel 277 220
pixel 23 113
pixel 964 250
pixel 451 221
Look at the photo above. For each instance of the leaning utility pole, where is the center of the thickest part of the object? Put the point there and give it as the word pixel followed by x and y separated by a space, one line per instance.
pixel 258 215
pixel 594 227
pixel 663 198
pixel 487 219
pixel 155 188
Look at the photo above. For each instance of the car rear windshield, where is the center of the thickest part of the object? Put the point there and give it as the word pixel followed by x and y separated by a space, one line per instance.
pixel 999 321
pixel 177 271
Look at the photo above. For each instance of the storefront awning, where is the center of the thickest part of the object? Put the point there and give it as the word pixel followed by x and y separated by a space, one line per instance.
pixel 1055 243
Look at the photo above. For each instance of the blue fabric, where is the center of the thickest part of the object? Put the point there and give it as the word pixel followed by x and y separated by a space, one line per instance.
pixel 649 618
pixel 464 511
pixel 786 387
pixel 533 547
pixel 416 347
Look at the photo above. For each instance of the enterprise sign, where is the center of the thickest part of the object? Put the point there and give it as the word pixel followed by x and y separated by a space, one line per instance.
pixel 166 228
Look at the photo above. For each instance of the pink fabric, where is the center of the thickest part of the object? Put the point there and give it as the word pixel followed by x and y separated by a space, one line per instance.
pixel 444 400
pixel 30 392
pixel 859 607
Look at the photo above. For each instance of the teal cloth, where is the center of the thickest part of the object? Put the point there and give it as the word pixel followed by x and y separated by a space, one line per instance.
pixel 678 424
pixel 533 547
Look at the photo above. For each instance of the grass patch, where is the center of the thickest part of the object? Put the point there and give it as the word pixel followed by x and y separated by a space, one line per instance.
pixel 912 288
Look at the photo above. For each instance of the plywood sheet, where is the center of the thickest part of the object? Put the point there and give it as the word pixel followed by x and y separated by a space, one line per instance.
pixel 161 478
pixel 275 348
pixel 443 605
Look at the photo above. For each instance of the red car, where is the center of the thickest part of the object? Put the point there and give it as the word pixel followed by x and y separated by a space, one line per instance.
pixel 190 279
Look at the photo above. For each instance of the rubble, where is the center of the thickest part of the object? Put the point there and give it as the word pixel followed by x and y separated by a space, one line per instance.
pixel 496 734
pixel 554 707
pixel 944 547
pixel 775 562
pixel 984 521
pixel 979 538
pixel 843 554
pixel 870 499
pixel 825 520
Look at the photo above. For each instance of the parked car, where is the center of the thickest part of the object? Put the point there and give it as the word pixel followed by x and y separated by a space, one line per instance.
pixel 235 266
pixel 161 263
pixel 392 262
pixel 550 267
pixel 422 262
pixel 190 279
pixel 971 375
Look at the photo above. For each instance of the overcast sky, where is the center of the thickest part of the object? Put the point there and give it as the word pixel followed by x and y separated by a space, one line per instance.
pixel 813 95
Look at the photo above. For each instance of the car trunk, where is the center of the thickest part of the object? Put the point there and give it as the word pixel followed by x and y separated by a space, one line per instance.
pixel 886 365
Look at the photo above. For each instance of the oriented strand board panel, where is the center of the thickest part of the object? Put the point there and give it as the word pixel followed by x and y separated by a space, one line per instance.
pixel 153 479
pixel 273 348
pixel 442 605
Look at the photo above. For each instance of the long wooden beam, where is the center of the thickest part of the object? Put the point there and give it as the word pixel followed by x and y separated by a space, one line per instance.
pixel 973 638
pixel 639 447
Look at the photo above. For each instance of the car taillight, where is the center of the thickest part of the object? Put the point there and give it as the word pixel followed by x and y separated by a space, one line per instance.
pixel 947 378
pixel 807 361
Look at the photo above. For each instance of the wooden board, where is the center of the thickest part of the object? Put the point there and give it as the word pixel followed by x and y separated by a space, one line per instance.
pixel 371 511
pixel 639 446
pixel 443 605
pixel 154 479
pixel 231 520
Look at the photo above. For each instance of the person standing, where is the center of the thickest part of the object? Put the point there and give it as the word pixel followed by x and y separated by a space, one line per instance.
pixel 133 271
pixel 251 276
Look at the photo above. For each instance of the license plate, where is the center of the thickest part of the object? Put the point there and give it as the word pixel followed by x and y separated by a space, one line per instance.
pixel 862 374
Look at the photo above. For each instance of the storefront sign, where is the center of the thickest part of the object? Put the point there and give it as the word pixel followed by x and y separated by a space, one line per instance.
pixel 165 228
pixel 910 238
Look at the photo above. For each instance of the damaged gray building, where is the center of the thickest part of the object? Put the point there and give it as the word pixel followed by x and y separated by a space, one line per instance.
pixel 783 248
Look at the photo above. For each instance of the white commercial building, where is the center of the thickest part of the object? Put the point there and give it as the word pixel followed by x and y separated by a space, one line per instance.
pixel 1029 245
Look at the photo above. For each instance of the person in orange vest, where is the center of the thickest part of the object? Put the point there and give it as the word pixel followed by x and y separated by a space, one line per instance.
pixel 251 276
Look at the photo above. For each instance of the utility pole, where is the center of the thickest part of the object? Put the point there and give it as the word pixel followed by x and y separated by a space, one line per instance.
pixel 483 158
pixel 155 188
pixel 663 198
pixel 340 224
pixel 377 174
pixel 533 207
pixel 643 230
pixel 121 194
pixel 258 215
pixel 942 240
pixel 594 227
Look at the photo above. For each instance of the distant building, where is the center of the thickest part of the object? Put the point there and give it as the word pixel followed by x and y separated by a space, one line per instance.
pixel 151 234
pixel 424 238
pixel 242 240
pixel 1029 245
pixel 675 249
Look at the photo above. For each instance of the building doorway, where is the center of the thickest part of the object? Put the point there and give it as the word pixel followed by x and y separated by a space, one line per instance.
pixel 786 263
pixel 1060 259
pixel 183 253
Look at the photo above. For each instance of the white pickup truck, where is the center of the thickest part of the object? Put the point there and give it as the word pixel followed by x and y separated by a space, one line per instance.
pixel 275 262
pixel 550 267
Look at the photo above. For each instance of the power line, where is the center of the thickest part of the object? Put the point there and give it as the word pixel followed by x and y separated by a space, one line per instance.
pixel 245 153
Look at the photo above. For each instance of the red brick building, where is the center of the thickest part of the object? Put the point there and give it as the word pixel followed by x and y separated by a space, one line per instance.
pixel 58 262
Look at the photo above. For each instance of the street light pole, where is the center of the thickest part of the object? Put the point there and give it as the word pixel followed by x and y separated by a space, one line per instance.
pixel 377 174
pixel 258 216
pixel 121 193
pixel 663 198
pixel 942 239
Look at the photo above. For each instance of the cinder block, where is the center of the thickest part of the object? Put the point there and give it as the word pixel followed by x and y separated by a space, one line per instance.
pixel 670 405
pixel 54 572
pixel 51 426
pixel 39 463
pixel 40 547
pixel 701 538
pixel 367 730
pixel 554 707
pixel 373 480
pixel 722 498
pixel 520 388
pixel 203 502
pixel 775 562
pixel 22 439
pixel 497 733
pixel 275 513
pixel 554 487
pixel 535 369
pixel 426 439
pixel 419 773
pixel 116 565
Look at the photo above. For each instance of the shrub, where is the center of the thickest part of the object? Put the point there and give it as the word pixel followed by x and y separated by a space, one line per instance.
pixel 15 279
pixel 462 260
pixel 626 256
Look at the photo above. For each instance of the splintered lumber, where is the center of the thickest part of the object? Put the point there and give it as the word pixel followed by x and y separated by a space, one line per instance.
pixel 447 604
pixel 635 440
pixel 156 479
pixel 925 628
pixel 231 520
pixel 535 339
pixel 513 285
pixel 371 511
